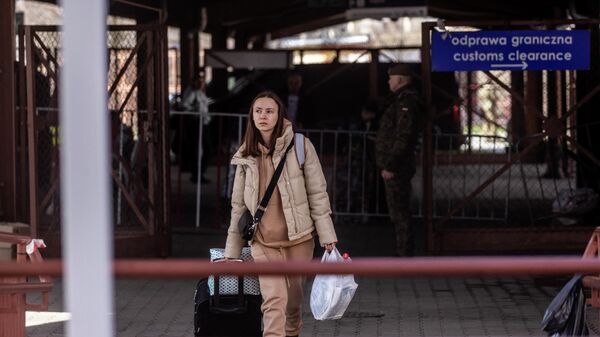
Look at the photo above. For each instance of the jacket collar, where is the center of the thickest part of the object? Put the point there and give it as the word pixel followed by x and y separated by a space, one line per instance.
pixel 280 145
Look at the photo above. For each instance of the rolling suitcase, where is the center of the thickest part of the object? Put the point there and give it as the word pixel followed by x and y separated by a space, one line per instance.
pixel 227 306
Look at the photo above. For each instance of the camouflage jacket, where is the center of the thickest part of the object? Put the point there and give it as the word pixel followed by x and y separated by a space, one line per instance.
pixel 398 131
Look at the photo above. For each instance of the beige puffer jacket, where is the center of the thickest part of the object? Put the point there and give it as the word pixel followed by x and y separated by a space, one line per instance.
pixel 303 194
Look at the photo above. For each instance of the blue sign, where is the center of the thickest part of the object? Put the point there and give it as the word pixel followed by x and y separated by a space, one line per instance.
pixel 511 50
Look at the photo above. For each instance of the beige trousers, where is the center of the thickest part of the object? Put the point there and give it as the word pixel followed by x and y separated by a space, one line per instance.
pixel 282 296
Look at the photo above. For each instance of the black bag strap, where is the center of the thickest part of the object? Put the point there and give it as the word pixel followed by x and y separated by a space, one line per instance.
pixel 260 211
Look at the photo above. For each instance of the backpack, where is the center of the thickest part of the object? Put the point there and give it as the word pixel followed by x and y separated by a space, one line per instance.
pixel 299 144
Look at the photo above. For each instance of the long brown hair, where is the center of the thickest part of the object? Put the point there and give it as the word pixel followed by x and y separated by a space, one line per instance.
pixel 252 136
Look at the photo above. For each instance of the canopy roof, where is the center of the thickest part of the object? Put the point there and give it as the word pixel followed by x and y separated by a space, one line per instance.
pixel 287 17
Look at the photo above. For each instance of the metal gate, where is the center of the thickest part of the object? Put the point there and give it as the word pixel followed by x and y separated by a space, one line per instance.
pixel 555 128
pixel 137 107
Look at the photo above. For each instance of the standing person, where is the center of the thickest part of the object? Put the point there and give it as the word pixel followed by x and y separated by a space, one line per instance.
pixel 395 150
pixel 297 210
pixel 298 105
pixel 363 158
pixel 366 121
pixel 195 100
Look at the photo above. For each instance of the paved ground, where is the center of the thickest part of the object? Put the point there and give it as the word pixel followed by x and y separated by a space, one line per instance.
pixel 381 307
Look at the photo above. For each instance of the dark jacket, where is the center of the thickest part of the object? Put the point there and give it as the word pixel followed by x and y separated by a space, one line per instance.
pixel 398 131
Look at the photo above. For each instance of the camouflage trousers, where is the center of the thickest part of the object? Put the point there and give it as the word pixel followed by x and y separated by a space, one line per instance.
pixel 397 192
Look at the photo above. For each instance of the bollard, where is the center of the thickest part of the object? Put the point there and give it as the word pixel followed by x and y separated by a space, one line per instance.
pixel 13 290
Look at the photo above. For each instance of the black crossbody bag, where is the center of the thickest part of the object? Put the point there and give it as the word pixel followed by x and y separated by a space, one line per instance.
pixel 248 223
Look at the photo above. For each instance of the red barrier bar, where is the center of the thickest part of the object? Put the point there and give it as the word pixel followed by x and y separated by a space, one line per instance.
pixel 369 267
pixel 13 290
pixel 16 288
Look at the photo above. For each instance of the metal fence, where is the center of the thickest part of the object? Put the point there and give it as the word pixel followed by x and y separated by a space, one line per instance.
pixel 354 185
pixel 521 196
pixel 458 170
pixel 136 135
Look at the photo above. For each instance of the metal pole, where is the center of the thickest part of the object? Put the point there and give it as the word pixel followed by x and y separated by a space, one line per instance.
pixel 476 266
pixel 335 146
pixel 479 164
pixel 469 109
pixel 114 55
pixel 507 197
pixel 451 175
pixel 427 150
pixel 120 196
pixel 492 185
pixel 349 181
pixel 364 159
pixel 464 177
pixel 239 135
pixel 217 209
pixel 85 167
pixel 435 164
pixel 199 169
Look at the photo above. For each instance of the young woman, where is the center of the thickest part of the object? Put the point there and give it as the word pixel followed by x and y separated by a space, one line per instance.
pixel 298 209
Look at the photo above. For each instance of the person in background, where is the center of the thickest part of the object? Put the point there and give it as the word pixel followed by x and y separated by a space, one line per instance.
pixel 298 105
pixel 395 150
pixel 363 158
pixel 297 210
pixel 194 99
pixel 366 121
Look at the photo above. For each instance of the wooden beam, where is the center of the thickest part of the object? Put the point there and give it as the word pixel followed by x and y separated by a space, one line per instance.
pixel 8 208
pixel 280 18
pixel 290 24
pixel 234 12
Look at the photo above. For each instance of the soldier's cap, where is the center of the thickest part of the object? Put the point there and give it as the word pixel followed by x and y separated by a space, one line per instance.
pixel 400 69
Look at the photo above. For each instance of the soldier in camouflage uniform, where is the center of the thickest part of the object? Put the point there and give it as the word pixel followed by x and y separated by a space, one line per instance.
pixel 395 149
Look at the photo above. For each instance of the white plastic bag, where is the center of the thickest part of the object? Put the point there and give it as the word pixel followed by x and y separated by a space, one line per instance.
pixel 331 294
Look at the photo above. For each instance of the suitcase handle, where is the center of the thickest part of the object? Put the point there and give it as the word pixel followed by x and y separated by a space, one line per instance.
pixel 230 310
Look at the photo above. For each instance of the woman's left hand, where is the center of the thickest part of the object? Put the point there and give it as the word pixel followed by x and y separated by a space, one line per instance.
pixel 329 246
